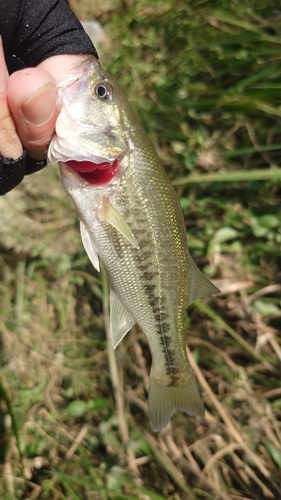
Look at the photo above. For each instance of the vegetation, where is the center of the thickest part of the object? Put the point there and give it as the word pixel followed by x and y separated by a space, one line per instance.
pixel 204 79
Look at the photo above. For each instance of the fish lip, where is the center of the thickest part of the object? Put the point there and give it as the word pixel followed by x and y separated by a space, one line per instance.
pixel 96 174
pixel 83 166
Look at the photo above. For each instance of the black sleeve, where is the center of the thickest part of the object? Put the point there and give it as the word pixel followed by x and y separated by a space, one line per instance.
pixel 34 30
pixel 13 171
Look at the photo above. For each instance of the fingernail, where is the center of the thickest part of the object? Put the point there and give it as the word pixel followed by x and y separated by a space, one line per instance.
pixel 39 108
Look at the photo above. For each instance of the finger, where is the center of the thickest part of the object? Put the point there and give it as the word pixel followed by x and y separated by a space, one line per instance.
pixel 10 145
pixel 60 65
pixel 32 99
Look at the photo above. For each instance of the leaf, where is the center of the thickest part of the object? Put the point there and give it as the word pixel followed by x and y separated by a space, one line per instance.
pixel 77 408
pixel 274 453
pixel 116 478
pixel 269 221
pixel 98 404
pixel 221 235
pixel 225 234
pixel 265 308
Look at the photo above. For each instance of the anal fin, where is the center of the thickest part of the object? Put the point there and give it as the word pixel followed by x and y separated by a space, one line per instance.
pixel 120 320
pixel 89 246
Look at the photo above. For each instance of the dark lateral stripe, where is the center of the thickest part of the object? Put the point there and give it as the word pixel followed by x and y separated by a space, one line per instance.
pixel 162 327
pixel 145 265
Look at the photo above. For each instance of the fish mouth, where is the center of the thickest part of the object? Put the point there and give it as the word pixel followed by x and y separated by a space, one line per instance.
pixel 96 174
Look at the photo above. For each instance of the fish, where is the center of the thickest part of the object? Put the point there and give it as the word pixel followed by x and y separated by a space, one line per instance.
pixel 130 221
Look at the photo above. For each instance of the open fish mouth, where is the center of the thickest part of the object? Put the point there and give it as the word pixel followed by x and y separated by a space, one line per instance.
pixel 96 174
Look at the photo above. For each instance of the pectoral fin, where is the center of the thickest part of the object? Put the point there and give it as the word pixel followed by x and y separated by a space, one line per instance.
pixel 113 217
pixel 89 246
pixel 199 285
pixel 120 320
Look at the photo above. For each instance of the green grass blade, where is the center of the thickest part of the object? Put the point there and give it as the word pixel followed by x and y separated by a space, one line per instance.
pixel 6 399
pixel 253 149
pixel 271 174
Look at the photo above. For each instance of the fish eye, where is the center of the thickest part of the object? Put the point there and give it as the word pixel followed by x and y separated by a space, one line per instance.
pixel 104 91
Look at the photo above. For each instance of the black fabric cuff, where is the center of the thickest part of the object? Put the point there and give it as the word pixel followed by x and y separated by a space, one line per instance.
pixel 33 166
pixel 13 171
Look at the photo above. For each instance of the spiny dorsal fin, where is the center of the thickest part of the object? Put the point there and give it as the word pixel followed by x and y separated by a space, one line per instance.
pixel 199 285
pixel 113 217
pixel 120 320
pixel 89 245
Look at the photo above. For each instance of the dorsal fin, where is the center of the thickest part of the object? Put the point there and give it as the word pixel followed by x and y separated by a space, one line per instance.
pixel 199 285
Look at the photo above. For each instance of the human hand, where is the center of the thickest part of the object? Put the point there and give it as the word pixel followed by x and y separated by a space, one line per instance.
pixel 28 109
pixel 28 113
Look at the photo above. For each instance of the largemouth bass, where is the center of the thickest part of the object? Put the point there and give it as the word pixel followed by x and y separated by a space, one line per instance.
pixel 132 221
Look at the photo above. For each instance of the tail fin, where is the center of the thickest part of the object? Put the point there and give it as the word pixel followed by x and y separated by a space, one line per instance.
pixel 164 400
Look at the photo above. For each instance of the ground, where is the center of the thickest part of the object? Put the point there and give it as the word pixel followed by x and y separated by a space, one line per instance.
pixel 204 80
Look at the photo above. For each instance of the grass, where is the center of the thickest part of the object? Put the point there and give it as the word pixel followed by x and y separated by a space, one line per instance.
pixel 204 79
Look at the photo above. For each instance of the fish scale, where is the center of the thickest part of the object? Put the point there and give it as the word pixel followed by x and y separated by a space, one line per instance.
pixel 134 225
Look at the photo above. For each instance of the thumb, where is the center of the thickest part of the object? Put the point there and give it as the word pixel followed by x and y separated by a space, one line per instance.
pixel 32 100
